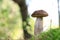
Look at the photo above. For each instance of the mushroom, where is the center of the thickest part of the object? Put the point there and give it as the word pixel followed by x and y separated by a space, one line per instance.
pixel 39 21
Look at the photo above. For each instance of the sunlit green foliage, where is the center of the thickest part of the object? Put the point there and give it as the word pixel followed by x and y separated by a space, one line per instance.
pixel 10 20
pixel 31 28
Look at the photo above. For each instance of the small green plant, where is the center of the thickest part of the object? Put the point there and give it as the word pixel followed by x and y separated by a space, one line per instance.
pixel 53 34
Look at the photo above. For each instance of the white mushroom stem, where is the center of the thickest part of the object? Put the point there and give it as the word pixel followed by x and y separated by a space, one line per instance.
pixel 38 26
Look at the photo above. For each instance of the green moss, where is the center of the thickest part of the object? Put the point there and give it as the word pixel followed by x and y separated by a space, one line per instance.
pixel 53 34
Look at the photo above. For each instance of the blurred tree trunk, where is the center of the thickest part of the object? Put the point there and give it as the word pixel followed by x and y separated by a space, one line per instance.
pixel 23 8
pixel 24 12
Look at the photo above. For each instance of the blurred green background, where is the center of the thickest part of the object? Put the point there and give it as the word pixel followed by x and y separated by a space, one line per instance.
pixel 11 24
pixel 15 26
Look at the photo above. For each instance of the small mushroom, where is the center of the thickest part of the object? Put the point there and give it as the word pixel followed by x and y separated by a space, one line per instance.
pixel 39 21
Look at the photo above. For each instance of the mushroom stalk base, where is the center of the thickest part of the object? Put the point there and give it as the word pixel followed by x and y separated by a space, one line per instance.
pixel 38 26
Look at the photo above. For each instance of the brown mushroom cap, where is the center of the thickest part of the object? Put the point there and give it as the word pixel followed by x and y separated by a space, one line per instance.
pixel 39 13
